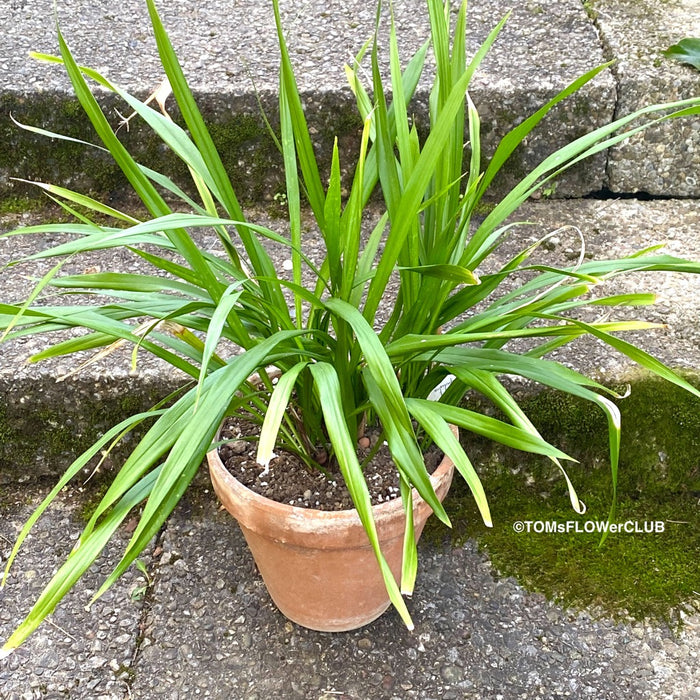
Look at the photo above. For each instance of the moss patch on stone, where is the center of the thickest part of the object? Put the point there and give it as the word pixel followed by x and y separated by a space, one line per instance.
pixel 640 575
pixel 18 204
pixel 33 442
pixel 248 152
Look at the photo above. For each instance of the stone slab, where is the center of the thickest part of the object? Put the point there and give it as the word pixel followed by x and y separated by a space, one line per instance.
pixel 664 160
pixel 545 45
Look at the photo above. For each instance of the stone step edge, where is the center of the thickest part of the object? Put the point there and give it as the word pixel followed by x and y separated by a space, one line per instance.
pixel 43 428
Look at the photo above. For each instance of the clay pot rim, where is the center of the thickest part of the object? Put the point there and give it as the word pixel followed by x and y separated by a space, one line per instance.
pixel 332 518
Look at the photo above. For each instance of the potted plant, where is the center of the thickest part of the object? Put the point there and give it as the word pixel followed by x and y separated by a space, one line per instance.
pixel 340 365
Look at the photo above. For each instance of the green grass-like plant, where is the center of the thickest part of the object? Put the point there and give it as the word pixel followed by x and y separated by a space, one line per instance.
pixel 339 366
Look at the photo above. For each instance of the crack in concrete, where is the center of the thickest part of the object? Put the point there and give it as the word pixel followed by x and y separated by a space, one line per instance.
pixel 147 600
pixel 609 56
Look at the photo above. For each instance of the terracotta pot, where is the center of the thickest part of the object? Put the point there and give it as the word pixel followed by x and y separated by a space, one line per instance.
pixel 318 566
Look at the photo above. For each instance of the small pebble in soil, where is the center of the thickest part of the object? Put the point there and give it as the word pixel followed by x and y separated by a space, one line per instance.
pixel 238 447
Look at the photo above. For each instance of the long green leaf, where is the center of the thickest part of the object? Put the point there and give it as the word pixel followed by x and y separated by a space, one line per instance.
pixel 83 201
pixel 259 259
pixel 491 428
pixel 642 358
pixel 517 135
pixel 141 184
pixel 412 194
pixel 439 431
pixel 192 444
pixel 276 407
pixel 78 563
pixel 215 327
pixel 594 142
pixel 487 384
pixel 123 281
pixel 452 273
pixel 326 380
pixel 292 182
pixel 387 398
pixel 304 146
pixel 71 472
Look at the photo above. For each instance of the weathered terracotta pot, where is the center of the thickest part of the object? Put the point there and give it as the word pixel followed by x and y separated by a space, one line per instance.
pixel 318 566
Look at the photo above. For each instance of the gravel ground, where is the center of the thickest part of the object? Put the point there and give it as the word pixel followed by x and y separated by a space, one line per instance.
pixel 476 636
pixel 76 654
pixel 207 628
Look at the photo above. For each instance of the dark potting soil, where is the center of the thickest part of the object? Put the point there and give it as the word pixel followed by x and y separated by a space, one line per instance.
pixel 289 480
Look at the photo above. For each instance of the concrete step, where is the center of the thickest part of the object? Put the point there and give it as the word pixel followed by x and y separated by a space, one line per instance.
pixel 224 46
pixel 68 415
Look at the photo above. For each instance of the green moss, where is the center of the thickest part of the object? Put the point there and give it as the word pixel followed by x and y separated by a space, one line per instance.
pixel 589 7
pixel 57 434
pixel 245 146
pixel 34 157
pixel 248 152
pixel 91 499
pixel 17 204
pixel 549 190
pixel 484 208
pixel 641 575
